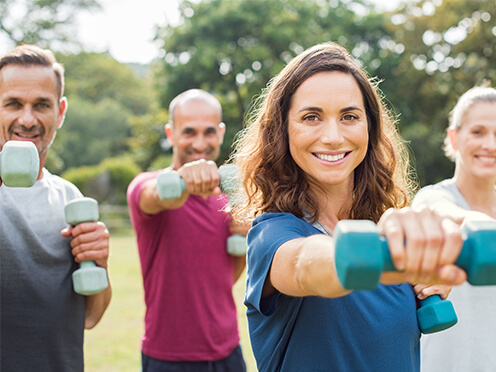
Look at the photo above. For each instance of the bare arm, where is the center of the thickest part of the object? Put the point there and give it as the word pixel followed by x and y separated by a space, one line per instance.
pixel 201 178
pixel 239 267
pixel 306 266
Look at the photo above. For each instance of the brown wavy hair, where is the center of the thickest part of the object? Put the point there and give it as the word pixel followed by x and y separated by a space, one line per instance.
pixel 273 182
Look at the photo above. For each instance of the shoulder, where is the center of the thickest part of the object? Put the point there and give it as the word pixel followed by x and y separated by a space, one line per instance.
pixel 443 190
pixel 61 184
pixel 274 229
pixel 279 218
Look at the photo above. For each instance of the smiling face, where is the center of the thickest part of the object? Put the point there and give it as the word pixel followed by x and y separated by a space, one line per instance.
pixel 29 106
pixel 475 141
pixel 328 129
pixel 197 132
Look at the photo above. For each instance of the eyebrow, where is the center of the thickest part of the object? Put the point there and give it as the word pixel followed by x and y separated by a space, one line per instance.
pixel 19 99
pixel 319 109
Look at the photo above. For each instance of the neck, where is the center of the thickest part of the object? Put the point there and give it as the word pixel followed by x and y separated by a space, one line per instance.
pixel 332 202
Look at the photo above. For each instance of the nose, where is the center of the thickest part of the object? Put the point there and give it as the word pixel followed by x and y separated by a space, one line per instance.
pixel 26 117
pixel 199 143
pixel 490 142
pixel 331 133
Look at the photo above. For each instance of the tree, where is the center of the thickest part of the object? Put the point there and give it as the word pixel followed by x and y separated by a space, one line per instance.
pixel 233 48
pixel 449 48
pixel 104 96
pixel 46 23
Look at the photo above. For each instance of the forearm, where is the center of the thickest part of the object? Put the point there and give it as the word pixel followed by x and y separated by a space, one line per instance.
pixel 95 307
pixel 306 267
pixel 150 203
pixel 239 267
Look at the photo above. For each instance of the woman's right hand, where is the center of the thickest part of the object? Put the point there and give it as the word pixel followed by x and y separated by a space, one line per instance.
pixel 424 245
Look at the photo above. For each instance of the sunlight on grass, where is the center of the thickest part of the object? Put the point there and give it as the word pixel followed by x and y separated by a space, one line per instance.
pixel 114 344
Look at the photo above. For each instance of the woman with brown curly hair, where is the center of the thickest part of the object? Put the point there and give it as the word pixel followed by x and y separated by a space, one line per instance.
pixel 322 148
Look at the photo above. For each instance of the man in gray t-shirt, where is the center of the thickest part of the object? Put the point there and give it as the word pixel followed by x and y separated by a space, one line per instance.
pixel 42 318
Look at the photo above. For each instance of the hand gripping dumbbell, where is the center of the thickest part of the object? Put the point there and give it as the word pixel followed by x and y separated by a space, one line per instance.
pixel 361 256
pixel 19 164
pixel 170 186
pixel 89 279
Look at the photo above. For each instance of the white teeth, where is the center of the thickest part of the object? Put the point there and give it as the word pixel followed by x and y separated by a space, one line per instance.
pixel 330 157
pixel 27 136
pixel 487 159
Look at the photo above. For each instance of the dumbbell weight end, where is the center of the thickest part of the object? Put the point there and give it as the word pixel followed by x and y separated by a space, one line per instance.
pixel 170 185
pixel 19 164
pixel 236 245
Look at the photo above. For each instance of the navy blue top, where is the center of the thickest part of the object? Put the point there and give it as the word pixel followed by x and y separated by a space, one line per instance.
pixel 363 331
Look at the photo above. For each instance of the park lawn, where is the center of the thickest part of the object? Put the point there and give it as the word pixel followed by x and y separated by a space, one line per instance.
pixel 114 344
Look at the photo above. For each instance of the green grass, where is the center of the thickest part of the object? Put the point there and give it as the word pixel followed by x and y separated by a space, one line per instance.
pixel 114 344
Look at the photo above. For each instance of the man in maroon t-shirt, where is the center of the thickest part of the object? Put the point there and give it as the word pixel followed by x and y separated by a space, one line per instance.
pixel 190 320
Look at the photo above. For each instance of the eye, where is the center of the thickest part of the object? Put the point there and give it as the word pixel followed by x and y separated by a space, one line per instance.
pixel 42 106
pixel 349 117
pixel 210 132
pixel 13 104
pixel 311 118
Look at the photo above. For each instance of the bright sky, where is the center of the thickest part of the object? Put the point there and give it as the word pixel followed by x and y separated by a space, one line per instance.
pixel 126 27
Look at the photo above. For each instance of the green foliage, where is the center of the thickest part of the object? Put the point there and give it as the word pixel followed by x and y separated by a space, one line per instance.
pixel 45 23
pixel 103 95
pixel 448 49
pixel 97 76
pixel 106 182
pixel 147 134
pixel 92 132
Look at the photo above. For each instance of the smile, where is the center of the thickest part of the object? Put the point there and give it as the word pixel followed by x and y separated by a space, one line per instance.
pixel 487 159
pixel 29 136
pixel 331 157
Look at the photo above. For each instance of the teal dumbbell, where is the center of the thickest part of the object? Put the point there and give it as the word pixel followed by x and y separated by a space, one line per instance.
pixel 362 255
pixel 170 186
pixel 19 164
pixel 89 279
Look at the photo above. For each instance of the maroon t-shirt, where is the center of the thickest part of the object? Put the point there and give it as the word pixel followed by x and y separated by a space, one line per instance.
pixel 187 278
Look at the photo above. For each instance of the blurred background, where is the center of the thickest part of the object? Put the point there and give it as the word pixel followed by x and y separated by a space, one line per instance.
pixel 125 61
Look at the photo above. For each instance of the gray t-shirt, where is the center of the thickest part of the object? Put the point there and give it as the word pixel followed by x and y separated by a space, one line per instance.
pixel 471 344
pixel 42 318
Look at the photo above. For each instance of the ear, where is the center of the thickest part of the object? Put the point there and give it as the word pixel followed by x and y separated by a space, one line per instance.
pixel 63 104
pixel 222 131
pixel 169 132
pixel 453 135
